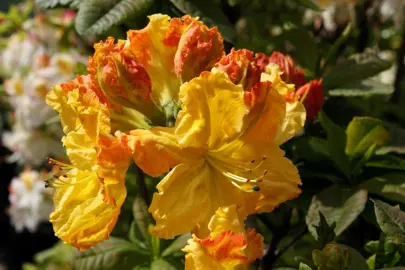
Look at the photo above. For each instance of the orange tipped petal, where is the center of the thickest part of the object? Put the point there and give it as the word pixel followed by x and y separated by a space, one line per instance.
pixel 241 68
pixel 199 48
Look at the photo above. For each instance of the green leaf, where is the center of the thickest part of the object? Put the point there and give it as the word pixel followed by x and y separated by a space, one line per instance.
pixel 336 143
pixel 210 13
pixel 390 186
pixel 96 17
pixel 141 216
pixel 362 133
pixel 368 87
pixel 45 4
pixel 357 68
pixel 324 231
pixel 162 265
pixel 312 149
pixel 387 162
pixel 309 4
pixel 59 253
pixel 179 243
pixel 304 266
pixel 337 204
pixel 114 253
pixel 391 220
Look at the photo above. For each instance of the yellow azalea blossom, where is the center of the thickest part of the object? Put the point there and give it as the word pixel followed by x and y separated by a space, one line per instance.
pixel 222 151
pixel 90 191
pixel 129 85
pixel 229 246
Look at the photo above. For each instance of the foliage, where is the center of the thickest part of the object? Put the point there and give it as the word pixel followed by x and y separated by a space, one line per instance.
pixel 350 158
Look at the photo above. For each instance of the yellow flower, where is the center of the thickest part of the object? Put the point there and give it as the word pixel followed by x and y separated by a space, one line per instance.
pixel 90 191
pixel 229 245
pixel 222 151
pixel 129 86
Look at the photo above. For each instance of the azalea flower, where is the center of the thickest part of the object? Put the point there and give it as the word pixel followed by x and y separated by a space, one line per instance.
pixel 229 245
pixel 30 201
pixel 223 150
pixel 130 84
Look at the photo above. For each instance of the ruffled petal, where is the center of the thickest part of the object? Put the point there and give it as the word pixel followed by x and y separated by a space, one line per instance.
pixel 81 217
pixel 212 112
pixel 199 49
pixel 157 150
pixel 293 122
pixel 208 189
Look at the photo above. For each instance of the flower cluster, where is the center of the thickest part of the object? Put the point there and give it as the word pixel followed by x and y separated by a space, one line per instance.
pixel 168 99
pixel 30 201
pixel 31 63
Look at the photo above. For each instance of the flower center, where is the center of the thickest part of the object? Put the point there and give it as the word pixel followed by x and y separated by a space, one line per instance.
pixel 243 175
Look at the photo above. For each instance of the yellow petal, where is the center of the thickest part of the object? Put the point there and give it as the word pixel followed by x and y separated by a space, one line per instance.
pixel 227 218
pixel 80 149
pixel 80 109
pixel 295 115
pixel 157 150
pixel 212 112
pixel 260 165
pixel 293 122
pixel 204 190
pixel 81 217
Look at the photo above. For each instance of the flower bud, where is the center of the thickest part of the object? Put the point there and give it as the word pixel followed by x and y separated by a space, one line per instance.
pixel 286 64
pixel 312 96
pixel 241 68
pixel 121 78
pixel 199 49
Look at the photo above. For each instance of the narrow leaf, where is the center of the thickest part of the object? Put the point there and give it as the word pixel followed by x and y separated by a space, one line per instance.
pixel 304 266
pixel 114 253
pixel 141 216
pixel 390 186
pixel 387 162
pixel 45 4
pixel 366 88
pixel 309 4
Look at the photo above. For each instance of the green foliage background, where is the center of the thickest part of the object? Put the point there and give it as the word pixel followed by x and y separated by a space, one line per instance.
pixel 351 158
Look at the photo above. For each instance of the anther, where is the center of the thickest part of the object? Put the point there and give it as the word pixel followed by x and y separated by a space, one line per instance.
pixel 252 161
pixel 265 172
pixel 256 188
pixel 264 158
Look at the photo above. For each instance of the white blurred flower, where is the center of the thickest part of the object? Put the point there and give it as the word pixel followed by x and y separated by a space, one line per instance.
pixel 31 146
pixel 335 13
pixel 30 201
pixel 393 9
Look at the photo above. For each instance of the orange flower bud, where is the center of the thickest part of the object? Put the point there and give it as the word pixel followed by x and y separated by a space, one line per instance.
pixel 199 49
pixel 241 68
pixel 312 96
pixel 286 64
